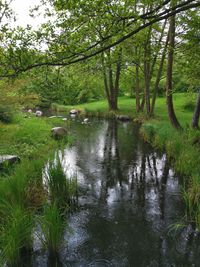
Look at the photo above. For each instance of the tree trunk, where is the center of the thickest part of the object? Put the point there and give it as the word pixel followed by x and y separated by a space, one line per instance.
pixel 147 69
pixel 169 88
pixel 111 87
pixel 158 49
pixel 195 119
pixel 117 78
pixel 105 77
pixel 155 92
pixel 137 88
pixel 142 103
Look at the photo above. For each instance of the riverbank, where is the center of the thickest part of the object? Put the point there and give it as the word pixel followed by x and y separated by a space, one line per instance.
pixel 28 135
pixel 182 147
pixel 127 106
pixel 25 201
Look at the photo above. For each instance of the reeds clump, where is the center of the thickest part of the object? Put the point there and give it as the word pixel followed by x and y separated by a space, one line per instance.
pixel 62 189
pixel 16 235
pixel 17 211
pixel 52 225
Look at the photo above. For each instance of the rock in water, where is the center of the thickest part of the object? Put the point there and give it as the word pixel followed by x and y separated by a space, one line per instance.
pixel 8 159
pixel 52 117
pixel 86 120
pixel 123 118
pixel 58 132
pixel 38 113
pixel 73 111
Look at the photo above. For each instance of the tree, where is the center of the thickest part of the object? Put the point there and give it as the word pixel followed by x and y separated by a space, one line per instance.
pixel 196 115
pixel 169 85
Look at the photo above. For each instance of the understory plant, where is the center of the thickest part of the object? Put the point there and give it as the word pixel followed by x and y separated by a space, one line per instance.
pixel 6 114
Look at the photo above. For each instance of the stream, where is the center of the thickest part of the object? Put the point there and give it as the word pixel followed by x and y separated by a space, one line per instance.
pixel 129 203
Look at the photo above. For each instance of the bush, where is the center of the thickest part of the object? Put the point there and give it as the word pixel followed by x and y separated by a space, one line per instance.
pixel 189 105
pixel 6 114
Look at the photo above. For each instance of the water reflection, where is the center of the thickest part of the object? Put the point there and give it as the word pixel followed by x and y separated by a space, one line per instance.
pixel 129 199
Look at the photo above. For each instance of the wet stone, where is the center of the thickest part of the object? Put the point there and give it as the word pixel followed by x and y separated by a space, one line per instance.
pixel 58 132
pixel 8 159
pixel 123 118
pixel 73 111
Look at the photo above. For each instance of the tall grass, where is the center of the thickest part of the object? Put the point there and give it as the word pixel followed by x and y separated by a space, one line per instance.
pixel 16 235
pixel 22 192
pixel 62 189
pixel 24 185
pixel 52 225
pixel 18 200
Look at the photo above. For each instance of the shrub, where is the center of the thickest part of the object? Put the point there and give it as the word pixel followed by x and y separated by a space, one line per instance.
pixel 189 105
pixel 6 114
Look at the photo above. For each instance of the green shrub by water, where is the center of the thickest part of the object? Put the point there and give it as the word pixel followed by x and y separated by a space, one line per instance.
pixel 6 114
pixel 189 105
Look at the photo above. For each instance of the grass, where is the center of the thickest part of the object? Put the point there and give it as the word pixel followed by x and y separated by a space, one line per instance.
pixel 22 193
pixel 62 189
pixel 52 225
pixel 16 235
pixel 127 106
pixel 26 136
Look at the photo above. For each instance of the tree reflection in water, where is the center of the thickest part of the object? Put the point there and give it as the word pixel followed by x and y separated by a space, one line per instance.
pixel 129 199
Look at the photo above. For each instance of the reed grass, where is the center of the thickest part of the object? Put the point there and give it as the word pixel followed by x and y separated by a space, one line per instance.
pixel 62 189
pixel 16 235
pixel 52 225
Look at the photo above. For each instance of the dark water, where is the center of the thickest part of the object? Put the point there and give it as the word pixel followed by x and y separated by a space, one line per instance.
pixel 129 203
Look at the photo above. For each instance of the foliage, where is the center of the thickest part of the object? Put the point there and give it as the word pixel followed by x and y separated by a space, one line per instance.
pixel 189 105
pixel 71 85
pixel 6 114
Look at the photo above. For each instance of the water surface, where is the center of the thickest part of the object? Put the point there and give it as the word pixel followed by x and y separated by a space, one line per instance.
pixel 128 205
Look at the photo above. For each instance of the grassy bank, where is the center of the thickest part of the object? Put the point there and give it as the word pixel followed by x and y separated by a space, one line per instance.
pixel 127 106
pixel 26 137
pixel 182 147
pixel 184 150
pixel 25 201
